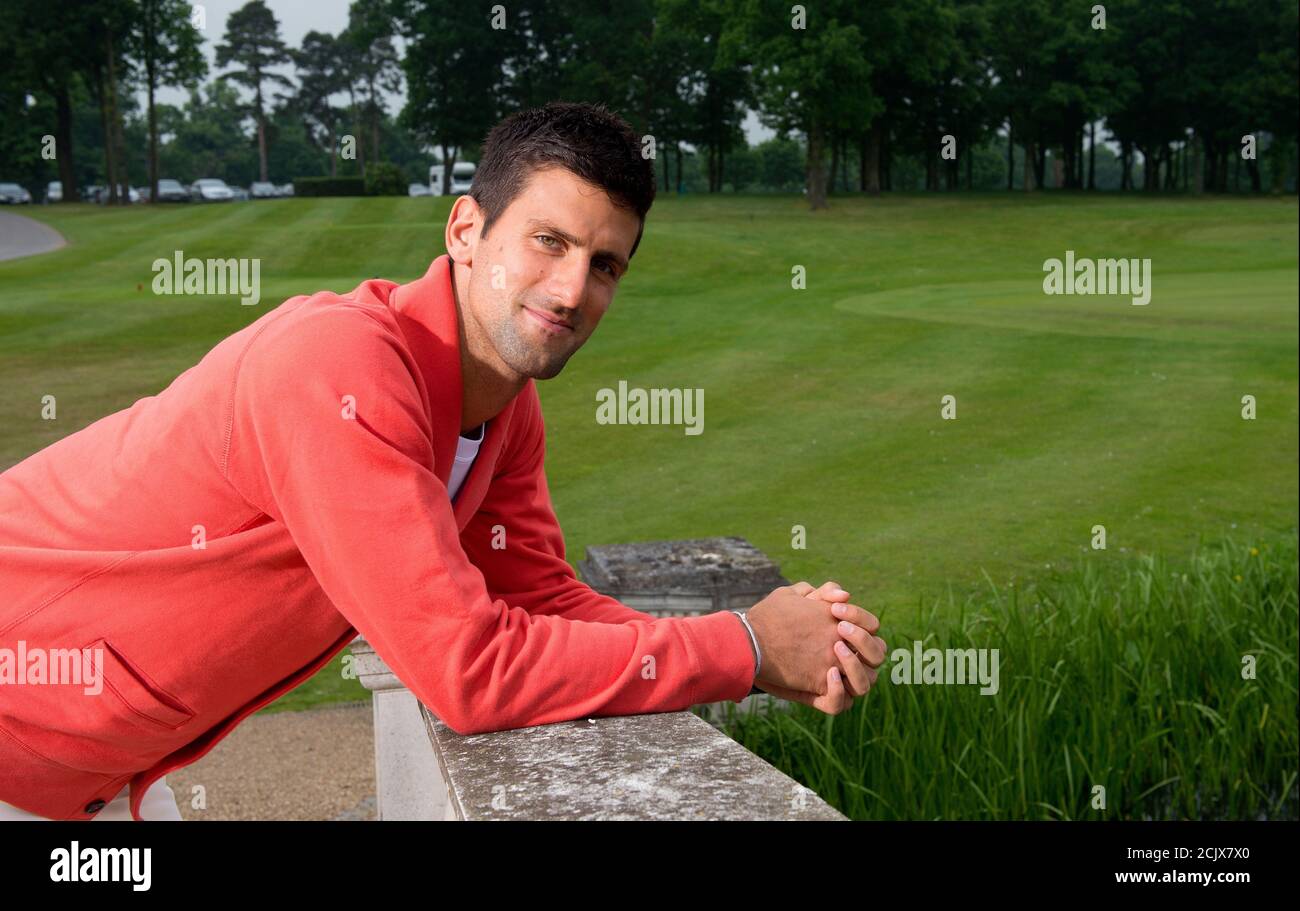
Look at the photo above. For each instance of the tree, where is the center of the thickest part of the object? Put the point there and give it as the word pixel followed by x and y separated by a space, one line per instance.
pixel 1022 62
pixel 253 42
pixel 50 61
pixel 811 74
pixel 208 138
pixel 910 43
pixel 453 67
pixel 169 46
pixel 320 77
pixel 715 71
pixel 372 62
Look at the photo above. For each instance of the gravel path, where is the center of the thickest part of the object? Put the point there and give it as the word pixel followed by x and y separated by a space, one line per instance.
pixel 23 236
pixel 318 764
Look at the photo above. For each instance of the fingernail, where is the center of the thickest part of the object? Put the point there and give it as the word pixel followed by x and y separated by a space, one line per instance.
pixel 842 649
pixel 836 592
pixel 839 609
pixel 835 674
pixel 846 628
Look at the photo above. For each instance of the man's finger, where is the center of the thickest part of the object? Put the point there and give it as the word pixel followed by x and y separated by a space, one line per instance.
pixel 829 591
pixel 869 649
pixel 854 671
pixel 857 616
pixel 838 698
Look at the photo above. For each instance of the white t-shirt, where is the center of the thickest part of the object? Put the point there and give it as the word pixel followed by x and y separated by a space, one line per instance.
pixel 466 452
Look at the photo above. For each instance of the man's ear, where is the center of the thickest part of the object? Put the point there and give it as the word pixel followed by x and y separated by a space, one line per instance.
pixel 462 232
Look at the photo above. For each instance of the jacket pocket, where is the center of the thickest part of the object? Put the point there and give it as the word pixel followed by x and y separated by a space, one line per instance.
pixel 129 691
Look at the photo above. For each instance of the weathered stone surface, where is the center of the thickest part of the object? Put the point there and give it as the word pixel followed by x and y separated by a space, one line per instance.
pixel 671 765
pixel 698 575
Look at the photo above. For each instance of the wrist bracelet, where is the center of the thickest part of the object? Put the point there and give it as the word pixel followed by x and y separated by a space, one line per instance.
pixel 758 654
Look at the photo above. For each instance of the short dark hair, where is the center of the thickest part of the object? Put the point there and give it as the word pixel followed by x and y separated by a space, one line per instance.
pixel 586 139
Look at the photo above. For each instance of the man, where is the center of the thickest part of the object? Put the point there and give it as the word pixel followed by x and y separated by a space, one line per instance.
pixel 215 545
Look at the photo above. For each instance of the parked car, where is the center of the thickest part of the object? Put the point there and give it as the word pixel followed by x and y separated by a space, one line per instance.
pixel 418 189
pixel 130 194
pixel 54 192
pixel 209 189
pixel 172 191
pixel 286 189
pixel 13 195
pixel 263 189
pixel 239 194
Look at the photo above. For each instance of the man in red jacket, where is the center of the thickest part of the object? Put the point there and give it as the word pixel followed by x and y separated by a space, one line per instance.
pixel 367 462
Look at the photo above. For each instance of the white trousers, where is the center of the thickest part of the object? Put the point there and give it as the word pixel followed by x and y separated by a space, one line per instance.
pixel 159 803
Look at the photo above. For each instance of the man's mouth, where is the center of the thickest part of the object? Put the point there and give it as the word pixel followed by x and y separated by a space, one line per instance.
pixel 549 323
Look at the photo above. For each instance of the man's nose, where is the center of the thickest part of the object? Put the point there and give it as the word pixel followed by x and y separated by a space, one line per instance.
pixel 568 284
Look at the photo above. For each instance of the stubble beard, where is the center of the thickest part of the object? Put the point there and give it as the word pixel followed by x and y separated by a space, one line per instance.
pixel 526 357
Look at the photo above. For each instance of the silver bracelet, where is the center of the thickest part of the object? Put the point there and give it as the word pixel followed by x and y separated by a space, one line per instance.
pixel 758 653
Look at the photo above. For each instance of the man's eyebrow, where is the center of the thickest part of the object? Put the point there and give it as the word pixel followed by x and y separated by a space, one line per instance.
pixel 540 224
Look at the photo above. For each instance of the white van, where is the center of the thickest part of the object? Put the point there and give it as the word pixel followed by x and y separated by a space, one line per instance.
pixel 462 175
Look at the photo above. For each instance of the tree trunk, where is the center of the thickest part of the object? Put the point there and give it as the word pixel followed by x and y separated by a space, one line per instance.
pixel 835 162
pixel 679 166
pixel 110 118
pixel 1011 157
pixel 1078 160
pixel 1278 159
pixel 152 77
pixel 63 134
pixel 1030 158
pixel 261 133
pixel 360 147
pixel 871 159
pixel 886 160
pixel 1092 155
pixel 374 119
pixel 862 163
pixel 816 167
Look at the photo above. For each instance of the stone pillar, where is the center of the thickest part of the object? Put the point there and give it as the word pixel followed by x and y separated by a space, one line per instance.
pixel 686 578
pixel 682 578
pixel 408 775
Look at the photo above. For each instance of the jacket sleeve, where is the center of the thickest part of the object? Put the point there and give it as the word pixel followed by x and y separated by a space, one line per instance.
pixel 360 499
pixel 515 540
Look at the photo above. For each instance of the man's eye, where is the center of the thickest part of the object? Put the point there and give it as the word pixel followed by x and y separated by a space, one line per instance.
pixel 546 237
pixel 608 269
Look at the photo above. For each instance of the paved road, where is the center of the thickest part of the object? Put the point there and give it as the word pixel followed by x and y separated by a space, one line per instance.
pixel 22 236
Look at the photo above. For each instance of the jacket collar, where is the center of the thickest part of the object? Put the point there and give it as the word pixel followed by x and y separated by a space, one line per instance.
pixel 426 312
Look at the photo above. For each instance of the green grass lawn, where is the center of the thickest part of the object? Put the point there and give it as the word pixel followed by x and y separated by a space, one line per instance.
pixel 822 406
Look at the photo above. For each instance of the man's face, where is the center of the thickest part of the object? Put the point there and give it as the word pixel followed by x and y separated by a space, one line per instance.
pixel 547 270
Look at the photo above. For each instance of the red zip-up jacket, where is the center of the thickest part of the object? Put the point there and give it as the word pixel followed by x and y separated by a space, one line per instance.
pixel 221 541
